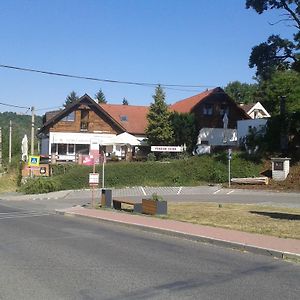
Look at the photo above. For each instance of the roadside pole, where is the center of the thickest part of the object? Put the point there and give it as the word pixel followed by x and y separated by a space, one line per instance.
pixel 103 163
pixel 229 166
pixel 0 147
pixel 9 143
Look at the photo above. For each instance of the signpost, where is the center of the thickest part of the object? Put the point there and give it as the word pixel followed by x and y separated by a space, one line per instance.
pixel 93 182
pixel 229 160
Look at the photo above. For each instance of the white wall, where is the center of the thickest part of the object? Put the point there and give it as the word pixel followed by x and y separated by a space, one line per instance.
pixel 218 136
pixel 243 126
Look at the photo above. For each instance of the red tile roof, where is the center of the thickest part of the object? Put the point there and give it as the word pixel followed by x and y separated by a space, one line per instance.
pixel 186 105
pixel 134 117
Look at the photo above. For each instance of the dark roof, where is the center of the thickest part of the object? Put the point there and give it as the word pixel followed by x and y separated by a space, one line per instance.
pixel 246 107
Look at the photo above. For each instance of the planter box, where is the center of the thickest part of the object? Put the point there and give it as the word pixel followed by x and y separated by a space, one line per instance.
pixel 153 207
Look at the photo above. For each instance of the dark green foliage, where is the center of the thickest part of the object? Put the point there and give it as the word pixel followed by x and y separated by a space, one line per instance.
pixel 21 124
pixel 184 128
pixel 188 172
pixel 267 142
pixel 277 53
pixel 100 97
pixel 242 92
pixel 282 83
pixel 41 185
pixel 159 130
pixel 72 97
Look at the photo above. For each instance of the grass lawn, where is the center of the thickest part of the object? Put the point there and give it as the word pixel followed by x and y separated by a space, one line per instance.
pixel 269 220
pixel 8 183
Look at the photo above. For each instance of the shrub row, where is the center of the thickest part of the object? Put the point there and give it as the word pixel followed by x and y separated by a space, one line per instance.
pixel 185 172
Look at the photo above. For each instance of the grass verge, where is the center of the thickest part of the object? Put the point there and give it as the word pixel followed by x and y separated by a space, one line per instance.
pixel 8 183
pixel 268 220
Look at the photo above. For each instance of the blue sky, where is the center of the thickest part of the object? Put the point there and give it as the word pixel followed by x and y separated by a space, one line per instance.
pixel 190 42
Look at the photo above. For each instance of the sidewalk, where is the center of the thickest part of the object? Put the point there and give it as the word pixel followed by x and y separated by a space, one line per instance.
pixel 255 243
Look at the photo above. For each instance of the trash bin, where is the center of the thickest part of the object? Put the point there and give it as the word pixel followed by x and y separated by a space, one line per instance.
pixel 106 198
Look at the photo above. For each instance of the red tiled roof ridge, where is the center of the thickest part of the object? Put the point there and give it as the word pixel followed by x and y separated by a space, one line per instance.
pixel 122 105
pixel 187 104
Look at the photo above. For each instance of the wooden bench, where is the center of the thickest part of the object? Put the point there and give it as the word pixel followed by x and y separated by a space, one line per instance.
pixel 137 206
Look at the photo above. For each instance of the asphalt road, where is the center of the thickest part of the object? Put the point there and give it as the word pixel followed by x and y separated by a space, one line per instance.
pixel 47 256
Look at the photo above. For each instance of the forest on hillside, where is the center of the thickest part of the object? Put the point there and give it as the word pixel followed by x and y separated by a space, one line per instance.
pixel 21 125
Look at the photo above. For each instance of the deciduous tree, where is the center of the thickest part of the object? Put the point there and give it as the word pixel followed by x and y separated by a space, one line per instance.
pixel 241 92
pixel 277 53
pixel 184 128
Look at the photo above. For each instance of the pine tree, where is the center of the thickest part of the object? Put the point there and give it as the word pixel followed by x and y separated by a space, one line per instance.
pixel 159 130
pixel 100 97
pixel 71 98
pixel 125 101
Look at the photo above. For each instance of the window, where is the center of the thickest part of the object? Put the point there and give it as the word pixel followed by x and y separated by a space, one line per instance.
pixel 84 124
pixel 70 117
pixel 83 149
pixel 124 118
pixel 62 149
pixel 71 148
pixel 208 109
pixel 53 148
pixel 224 109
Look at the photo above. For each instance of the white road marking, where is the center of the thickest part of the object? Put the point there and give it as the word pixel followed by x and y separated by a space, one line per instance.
pixel 143 191
pixel 230 192
pixel 216 192
pixel 179 191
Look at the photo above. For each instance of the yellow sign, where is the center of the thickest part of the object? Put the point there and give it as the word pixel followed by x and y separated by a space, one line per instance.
pixel 34 161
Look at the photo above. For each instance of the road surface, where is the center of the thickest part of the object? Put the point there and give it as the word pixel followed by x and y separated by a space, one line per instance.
pixel 48 256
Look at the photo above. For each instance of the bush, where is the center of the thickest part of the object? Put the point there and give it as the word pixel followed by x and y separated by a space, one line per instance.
pixel 41 185
pixel 188 172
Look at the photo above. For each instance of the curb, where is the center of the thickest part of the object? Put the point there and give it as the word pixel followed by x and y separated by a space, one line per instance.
pixel 204 239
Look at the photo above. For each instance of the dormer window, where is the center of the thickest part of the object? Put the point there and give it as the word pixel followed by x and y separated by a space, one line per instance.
pixel 124 118
pixel 208 109
pixel 70 117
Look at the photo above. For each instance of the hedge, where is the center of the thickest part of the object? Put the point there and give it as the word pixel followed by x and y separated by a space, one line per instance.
pixel 185 172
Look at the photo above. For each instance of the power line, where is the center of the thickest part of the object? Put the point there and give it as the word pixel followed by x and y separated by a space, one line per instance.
pixel 11 105
pixel 102 80
pixel 56 107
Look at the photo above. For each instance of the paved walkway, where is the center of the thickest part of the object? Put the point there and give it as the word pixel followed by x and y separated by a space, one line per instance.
pixel 257 243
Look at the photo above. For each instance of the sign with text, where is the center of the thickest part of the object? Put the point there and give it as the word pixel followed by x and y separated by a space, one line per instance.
pixel 94 178
pixel 166 148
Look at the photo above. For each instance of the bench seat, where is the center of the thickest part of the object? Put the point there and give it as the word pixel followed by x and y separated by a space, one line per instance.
pixel 137 206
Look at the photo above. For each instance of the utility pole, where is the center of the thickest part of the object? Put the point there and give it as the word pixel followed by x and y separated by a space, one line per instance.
pixel 283 133
pixel 0 147
pixel 9 143
pixel 32 130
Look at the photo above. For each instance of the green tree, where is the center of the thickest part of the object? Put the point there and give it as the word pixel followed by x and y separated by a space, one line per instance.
pixel 159 130
pixel 277 53
pixel 71 98
pixel 100 97
pixel 241 92
pixel 184 128
pixel 282 83
pixel 125 101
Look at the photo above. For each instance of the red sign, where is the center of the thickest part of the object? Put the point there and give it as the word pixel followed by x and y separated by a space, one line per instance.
pixel 87 160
